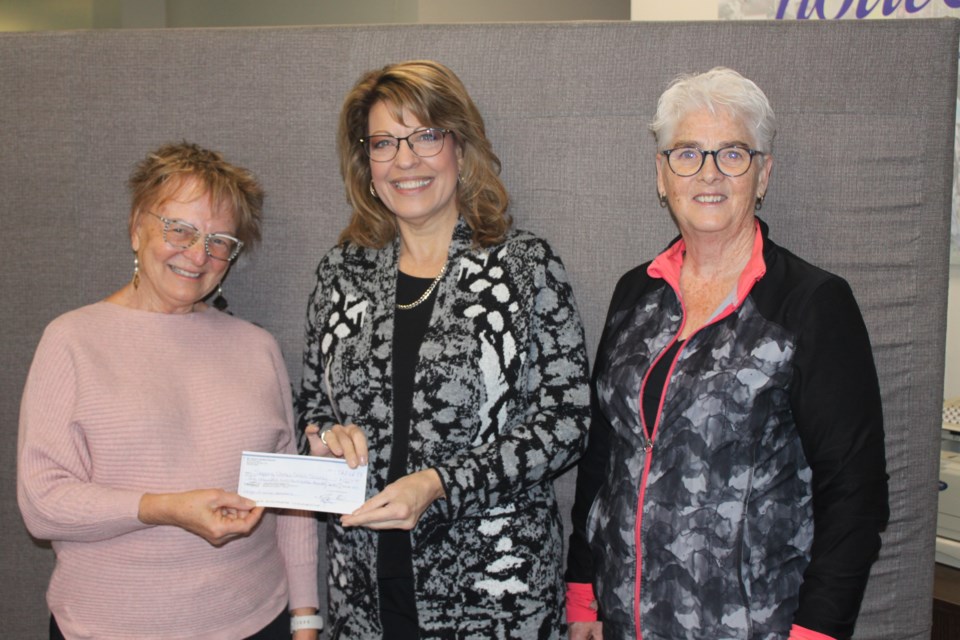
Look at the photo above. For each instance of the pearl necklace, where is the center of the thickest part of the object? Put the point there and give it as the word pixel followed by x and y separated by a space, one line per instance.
pixel 426 294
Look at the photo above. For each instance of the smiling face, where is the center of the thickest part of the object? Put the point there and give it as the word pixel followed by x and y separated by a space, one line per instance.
pixel 173 280
pixel 419 191
pixel 709 203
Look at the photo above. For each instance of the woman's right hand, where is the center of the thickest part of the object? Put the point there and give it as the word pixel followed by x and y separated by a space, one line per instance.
pixel 215 515
pixel 586 631
pixel 348 442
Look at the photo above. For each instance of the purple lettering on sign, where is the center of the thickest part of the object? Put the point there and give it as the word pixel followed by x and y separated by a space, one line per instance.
pixel 863 10
pixel 843 8
pixel 911 7
pixel 889 6
pixel 803 14
pixel 807 9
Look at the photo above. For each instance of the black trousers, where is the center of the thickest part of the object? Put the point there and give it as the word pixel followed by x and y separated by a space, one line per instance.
pixel 279 629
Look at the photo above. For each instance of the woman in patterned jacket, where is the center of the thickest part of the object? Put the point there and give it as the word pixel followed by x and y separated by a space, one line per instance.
pixel 445 350
pixel 735 483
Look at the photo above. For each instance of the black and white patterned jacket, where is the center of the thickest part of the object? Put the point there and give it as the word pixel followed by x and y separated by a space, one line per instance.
pixel 500 406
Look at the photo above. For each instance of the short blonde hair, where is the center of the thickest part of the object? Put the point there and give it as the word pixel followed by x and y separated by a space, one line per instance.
pixel 164 172
pixel 437 98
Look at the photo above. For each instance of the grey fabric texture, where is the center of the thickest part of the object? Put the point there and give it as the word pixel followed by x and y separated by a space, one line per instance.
pixel 861 186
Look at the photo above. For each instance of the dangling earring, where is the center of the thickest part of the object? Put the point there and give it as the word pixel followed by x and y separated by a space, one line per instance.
pixel 459 178
pixel 136 271
pixel 663 200
pixel 373 191
pixel 759 203
pixel 220 303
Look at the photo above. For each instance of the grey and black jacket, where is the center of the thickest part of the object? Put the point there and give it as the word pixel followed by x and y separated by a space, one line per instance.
pixel 500 406
pixel 757 498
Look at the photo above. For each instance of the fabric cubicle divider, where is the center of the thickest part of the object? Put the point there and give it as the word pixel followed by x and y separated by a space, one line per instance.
pixel 861 186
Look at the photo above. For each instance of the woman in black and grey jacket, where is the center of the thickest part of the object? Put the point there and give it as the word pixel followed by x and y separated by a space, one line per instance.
pixel 735 482
pixel 445 349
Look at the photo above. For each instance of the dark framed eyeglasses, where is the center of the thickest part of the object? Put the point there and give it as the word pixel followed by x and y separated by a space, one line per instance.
pixel 424 143
pixel 183 235
pixel 733 161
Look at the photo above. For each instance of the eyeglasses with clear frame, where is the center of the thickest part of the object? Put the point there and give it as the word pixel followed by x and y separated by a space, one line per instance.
pixel 732 161
pixel 183 235
pixel 424 143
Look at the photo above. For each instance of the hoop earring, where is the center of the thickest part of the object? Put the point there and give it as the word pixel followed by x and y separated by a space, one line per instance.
pixel 373 191
pixel 759 203
pixel 220 303
pixel 663 200
pixel 136 271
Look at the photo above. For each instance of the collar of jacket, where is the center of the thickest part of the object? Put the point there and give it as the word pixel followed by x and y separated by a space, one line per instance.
pixel 666 266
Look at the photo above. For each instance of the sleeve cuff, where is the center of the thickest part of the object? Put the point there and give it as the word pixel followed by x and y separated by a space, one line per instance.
pixel 581 602
pixel 801 633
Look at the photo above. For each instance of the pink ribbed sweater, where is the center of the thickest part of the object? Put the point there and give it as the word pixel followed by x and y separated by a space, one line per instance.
pixel 121 402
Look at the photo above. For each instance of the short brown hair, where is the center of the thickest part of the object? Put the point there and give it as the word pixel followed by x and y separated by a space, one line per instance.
pixel 160 175
pixel 436 96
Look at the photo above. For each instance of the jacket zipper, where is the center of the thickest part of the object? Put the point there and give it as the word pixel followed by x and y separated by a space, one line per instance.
pixel 647 440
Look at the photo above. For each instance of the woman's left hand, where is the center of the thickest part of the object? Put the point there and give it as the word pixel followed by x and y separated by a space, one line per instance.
pixel 400 504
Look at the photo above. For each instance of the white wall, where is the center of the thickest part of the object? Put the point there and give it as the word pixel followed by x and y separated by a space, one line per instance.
pixel 673 9
pixel 951 381
pixel 243 13
pixel 37 15
pixel 447 11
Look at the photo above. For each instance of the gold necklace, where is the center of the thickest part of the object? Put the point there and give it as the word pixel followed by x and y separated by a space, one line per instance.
pixel 426 294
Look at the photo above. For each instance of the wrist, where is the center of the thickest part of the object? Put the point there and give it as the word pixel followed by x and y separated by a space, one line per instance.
pixel 149 508
pixel 436 484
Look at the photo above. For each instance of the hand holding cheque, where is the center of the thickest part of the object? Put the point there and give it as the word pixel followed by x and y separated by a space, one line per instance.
pixel 399 505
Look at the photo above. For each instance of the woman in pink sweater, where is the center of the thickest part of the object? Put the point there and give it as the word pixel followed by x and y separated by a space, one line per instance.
pixel 133 418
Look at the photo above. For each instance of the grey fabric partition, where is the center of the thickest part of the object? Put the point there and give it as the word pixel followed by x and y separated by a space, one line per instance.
pixel 861 186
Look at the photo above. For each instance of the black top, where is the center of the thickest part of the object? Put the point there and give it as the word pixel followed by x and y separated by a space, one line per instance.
pixel 394 557
pixel 656 381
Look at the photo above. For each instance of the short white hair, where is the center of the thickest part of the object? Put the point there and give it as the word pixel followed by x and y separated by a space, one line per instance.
pixel 719 88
